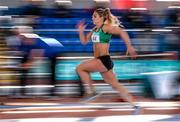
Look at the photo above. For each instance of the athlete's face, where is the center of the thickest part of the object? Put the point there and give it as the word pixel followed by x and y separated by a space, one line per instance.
pixel 96 18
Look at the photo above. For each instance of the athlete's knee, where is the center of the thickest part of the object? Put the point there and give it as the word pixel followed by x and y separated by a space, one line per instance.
pixel 79 69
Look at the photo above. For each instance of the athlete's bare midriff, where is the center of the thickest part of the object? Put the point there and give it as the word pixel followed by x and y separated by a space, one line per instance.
pixel 100 49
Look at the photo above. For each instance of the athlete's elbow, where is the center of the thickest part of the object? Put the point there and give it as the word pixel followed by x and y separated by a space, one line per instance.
pixel 83 42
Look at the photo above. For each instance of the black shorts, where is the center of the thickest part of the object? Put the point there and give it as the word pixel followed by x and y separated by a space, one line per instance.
pixel 106 60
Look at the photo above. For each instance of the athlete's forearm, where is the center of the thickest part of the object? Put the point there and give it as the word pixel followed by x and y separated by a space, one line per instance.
pixel 130 48
pixel 82 37
pixel 126 39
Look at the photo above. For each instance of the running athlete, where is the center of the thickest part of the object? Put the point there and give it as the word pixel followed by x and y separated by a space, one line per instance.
pixel 106 25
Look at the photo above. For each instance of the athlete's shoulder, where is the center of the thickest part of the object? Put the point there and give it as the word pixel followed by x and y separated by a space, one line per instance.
pixel 93 29
pixel 106 27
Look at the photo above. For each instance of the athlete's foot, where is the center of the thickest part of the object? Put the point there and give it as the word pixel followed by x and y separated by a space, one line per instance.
pixel 137 110
pixel 89 97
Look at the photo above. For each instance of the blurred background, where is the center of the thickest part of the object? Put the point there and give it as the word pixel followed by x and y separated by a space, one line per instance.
pixel 40 47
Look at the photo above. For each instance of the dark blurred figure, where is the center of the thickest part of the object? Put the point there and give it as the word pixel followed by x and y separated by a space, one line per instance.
pixel 101 4
pixel 146 42
pixel 62 9
pixel 13 40
pixel 33 7
pixel 32 10
pixel 172 42
pixel 137 19
pixel 52 52
pixel 173 17
pixel 25 47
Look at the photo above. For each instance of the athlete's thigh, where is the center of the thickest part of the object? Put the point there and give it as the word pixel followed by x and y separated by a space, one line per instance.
pixel 93 65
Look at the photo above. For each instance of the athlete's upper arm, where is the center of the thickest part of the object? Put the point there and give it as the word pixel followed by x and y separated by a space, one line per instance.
pixel 116 30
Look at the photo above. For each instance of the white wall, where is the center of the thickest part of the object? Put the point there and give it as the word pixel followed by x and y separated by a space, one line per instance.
pixel 152 5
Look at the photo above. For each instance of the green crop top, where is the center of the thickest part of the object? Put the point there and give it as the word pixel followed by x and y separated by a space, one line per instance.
pixel 100 36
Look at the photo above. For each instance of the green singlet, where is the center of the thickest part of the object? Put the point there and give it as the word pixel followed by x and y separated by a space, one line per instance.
pixel 100 37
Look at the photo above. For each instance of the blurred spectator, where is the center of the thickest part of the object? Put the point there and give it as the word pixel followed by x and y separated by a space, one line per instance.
pixel 52 50
pixel 13 40
pixel 172 42
pixel 63 8
pixel 137 19
pixel 173 17
pixel 27 48
pixel 146 42
pixel 32 10
pixel 101 4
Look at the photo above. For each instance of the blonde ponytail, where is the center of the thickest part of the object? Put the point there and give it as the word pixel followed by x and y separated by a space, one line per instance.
pixel 109 18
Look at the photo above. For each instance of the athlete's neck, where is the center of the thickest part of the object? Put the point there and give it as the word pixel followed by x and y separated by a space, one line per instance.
pixel 99 25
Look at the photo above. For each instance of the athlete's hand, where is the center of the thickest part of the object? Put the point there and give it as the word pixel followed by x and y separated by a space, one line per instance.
pixel 81 26
pixel 131 51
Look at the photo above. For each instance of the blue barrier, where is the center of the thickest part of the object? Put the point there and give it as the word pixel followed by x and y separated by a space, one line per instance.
pixel 124 69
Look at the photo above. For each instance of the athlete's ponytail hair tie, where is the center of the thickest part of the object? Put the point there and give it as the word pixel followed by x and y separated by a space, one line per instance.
pixel 107 13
